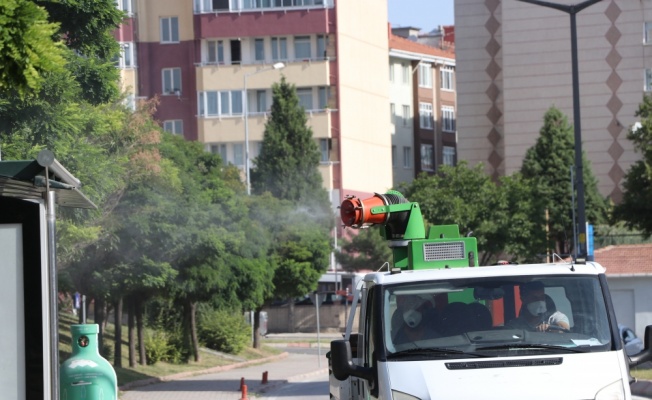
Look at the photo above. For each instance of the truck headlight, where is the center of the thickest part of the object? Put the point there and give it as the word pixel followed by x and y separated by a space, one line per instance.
pixel 612 391
pixel 396 395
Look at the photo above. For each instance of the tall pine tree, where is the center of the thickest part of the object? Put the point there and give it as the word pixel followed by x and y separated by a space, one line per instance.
pixel 548 164
pixel 287 166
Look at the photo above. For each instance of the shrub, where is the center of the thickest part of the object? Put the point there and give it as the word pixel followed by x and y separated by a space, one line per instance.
pixel 224 331
pixel 157 347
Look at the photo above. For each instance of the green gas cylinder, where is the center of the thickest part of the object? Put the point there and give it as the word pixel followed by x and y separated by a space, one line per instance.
pixel 86 375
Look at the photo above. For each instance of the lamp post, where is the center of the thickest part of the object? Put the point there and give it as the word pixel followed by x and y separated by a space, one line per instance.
pixel 245 109
pixel 572 10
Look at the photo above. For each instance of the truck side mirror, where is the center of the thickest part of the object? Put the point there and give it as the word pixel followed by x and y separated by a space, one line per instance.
pixel 646 354
pixel 342 364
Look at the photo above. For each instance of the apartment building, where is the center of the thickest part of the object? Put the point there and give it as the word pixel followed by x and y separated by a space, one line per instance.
pixel 515 62
pixel 212 64
pixel 422 106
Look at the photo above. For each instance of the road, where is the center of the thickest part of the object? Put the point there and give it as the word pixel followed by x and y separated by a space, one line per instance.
pixel 313 388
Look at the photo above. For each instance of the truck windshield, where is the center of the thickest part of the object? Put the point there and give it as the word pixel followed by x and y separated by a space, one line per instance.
pixel 495 316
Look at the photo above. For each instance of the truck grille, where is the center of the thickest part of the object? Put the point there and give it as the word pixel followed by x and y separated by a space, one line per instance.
pixel 443 251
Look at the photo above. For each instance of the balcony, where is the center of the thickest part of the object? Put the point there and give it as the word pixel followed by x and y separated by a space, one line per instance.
pixel 306 73
pixel 211 6
pixel 232 130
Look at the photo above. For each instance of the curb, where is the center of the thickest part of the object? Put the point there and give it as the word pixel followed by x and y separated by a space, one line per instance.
pixel 168 378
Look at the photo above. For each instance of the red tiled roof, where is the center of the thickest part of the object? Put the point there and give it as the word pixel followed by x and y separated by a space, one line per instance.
pixel 625 259
pixel 401 43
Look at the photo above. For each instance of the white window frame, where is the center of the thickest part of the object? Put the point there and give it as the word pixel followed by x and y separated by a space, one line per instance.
pixel 448 156
pixel 171 23
pixel 405 71
pixel 407 157
pixel 300 42
pixel 324 150
pixel 323 94
pixel 446 74
pixel 238 154
pixel 171 81
pixel 217 47
pixel 425 75
pixel 425 116
pixel 647 34
pixel 305 98
pixel 427 157
pixel 220 149
pixel 391 72
pixel 279 48
pixel 126 6
pixel 234 106
pixel 174 126
pixel 127 57
pixel 406 115
pixel 448 119
pixel 648 80
pixel 259 50
pixel 392 113
pixel 393 156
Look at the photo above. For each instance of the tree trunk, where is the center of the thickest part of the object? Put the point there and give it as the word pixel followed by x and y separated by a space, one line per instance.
pixel 193 331
pixel 99 320
pixel 256 328
pixel 141 334
pixel 291 316
pixel 132 336
pixel 117 353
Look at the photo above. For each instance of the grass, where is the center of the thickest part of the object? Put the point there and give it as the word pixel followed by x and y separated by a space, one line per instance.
pixel 126 374
pixel 643 372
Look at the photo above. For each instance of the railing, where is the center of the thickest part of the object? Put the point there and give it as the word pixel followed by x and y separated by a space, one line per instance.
pixel 206 6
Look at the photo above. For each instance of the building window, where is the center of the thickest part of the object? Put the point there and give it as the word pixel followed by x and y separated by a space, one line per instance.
pixel 406 115
pixel 215 104
pixel 127 57
pixel 305 98
pixel 261 101
pixel 172 81
pixel 448 119
pixel 220 149
pixel 407 157
pixel 425 75
pixel 446 78
pixel 449 156
pixel 302 50
pixel 259 50
pixel 324 150
pixel 279 49
pixel 425 115
pixel 126 6
pixel 392 113
pixel 406 73
pixel 427 157
pixel 238 154
pixel 170 30
pixel 647 39
pixel 391 72
pixel 215 53
pixel 323 97
pixel 393 156
pixel 322 43
pixel 648 80
pixel 174 126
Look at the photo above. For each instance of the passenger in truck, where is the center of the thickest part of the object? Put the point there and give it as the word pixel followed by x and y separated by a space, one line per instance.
pixel 538 312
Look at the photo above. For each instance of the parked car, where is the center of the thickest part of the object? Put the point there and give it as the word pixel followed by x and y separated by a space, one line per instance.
pixel 633 344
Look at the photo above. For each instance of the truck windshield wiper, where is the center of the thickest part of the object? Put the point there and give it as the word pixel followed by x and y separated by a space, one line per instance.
pixel 518 346
pixel 440 351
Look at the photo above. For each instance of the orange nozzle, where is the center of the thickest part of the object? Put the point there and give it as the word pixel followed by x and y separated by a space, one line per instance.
pixel 357 213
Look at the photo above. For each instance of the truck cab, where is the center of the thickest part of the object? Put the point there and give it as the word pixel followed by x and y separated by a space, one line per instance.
pixel 492 332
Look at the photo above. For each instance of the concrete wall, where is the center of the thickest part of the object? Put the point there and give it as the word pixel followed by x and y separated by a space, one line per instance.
pixel 332 318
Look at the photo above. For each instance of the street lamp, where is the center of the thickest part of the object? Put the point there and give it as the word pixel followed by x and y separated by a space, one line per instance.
pixel 245 108
pixel 572 10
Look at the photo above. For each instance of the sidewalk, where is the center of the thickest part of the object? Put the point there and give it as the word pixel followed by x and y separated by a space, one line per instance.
pixel 642 388
pixel 223 383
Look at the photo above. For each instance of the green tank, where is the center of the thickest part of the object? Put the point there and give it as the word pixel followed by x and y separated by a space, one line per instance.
pixel 86 375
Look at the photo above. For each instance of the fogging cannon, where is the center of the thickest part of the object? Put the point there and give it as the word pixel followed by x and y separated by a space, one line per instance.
pixel 402 225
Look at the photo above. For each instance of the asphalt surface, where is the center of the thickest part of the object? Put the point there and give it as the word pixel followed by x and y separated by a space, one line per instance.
pixel 293 365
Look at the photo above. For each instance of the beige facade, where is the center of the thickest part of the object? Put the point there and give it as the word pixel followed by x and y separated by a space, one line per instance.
pixel 514 62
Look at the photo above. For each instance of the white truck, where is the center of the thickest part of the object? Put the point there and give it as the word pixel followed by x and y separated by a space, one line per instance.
pixel 437 326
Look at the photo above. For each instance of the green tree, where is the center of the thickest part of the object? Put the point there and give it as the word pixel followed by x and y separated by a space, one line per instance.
pixel 27 48
pixel 636 207
pixel 548 164
pixel 288 162
pixel 364 250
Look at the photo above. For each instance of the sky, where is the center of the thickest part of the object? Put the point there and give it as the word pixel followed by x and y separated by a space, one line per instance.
pixel 424 14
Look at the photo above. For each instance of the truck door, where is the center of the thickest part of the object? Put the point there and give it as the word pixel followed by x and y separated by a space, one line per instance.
pixel 370 389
